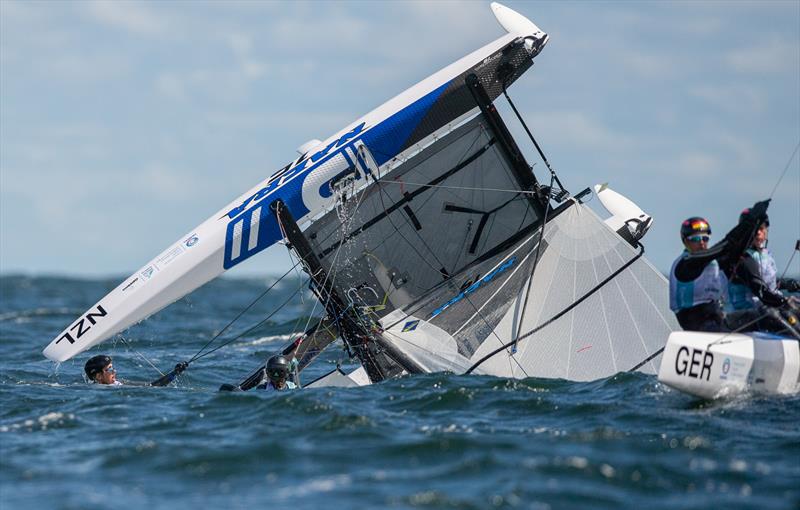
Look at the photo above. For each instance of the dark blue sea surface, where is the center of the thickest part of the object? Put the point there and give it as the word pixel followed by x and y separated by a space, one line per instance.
pixel 433 441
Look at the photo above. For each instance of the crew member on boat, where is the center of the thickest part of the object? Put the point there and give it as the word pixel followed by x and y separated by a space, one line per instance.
pixel 754 281
pixel 278 369
pixel 697 285
pixel 698 279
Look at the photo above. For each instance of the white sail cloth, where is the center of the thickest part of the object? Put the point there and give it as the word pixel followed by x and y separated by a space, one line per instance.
pixel 616 327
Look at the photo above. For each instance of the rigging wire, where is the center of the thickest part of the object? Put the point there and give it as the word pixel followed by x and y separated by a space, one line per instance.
pixel 564 311
pixel 345 227
pixel 252 328
pixel 783 174
pixel 553 178
pixel 530 135
pixel 329 275
pixel 774 189
pixel 535 260
pixel 248 307
pixel 788 264
pixel 198 355
pixel 140 354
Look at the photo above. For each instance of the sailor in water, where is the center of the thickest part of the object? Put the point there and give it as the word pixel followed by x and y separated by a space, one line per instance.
pixel 99 369
pixel 278 375
pixel 697 286
pixel 754 282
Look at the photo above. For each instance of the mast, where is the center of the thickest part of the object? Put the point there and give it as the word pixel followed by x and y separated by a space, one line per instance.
pixel 361 334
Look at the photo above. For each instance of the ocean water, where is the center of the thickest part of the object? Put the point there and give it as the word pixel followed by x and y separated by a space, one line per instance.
pixel 434 441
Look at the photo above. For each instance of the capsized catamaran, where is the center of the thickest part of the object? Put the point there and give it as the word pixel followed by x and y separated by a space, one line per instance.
pixel 431 244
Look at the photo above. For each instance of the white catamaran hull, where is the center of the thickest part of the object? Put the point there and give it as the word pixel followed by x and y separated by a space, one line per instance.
pixel 247 226
pixel 712 365
pixel 339 379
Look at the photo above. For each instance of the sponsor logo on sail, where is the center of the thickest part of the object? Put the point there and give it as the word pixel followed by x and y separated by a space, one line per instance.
pixel 191 241
pixel 410 326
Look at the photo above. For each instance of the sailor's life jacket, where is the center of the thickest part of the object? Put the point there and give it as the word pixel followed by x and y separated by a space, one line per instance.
pixel 759 273
pixel 709 287
pixel 270 387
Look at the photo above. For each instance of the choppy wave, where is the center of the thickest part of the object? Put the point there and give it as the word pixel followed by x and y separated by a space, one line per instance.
pixel 22 315
pixel 432 441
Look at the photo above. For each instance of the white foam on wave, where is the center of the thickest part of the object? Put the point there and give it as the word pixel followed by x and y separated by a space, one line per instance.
pixel 316 485
pixel 268 340
pixel 40 423
pixel 22 316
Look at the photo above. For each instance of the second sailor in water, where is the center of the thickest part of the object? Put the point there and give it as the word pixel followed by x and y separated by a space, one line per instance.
pixel 278 370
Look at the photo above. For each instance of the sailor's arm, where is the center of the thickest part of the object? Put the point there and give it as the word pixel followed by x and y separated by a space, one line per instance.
pixel 169 377
pixel 749 272
pixel 739 238
pixel 726 252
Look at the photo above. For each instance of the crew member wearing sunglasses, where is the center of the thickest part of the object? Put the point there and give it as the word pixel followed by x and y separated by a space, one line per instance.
pixel 698 280
pixel 697 287
pixel 100 370
pixel 278 371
